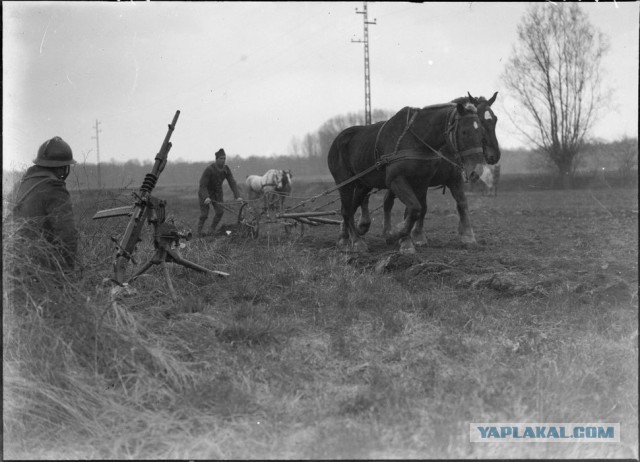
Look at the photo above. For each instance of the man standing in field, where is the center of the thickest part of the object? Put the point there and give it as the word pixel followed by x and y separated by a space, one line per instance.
pixel 43 207
pixel 210 192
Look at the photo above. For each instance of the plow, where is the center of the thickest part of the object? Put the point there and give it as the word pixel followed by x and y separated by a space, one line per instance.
pixel 250 218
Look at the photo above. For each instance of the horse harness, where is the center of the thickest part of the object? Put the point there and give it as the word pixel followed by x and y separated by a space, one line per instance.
pixel 264 185
pixel 410 154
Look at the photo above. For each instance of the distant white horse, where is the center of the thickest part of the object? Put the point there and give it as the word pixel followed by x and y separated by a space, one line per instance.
pixel 487 179
pixel 284 191
pixel 265 185
pixel 490 177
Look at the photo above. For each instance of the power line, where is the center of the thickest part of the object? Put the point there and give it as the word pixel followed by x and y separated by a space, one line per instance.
pixel 98 152
pixel 367 75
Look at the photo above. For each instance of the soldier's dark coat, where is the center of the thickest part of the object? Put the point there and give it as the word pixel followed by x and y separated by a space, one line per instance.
pixel 43 201
pixel 211 183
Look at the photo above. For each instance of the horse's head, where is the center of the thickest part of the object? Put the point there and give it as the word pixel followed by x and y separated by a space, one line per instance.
pixel 464 138
pixel 286 179
pixel 488 120
pixel 278 176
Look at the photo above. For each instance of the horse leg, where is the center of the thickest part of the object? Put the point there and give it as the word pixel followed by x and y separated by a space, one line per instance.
pixel 348 232
pixel 343 235
pixel 365 219
pixel 464 226
pixel 389 198
pixel 403 190
pixel 418 236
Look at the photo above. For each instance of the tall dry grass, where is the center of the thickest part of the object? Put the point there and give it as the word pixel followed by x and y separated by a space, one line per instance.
pixel 67 345
pixel 304 352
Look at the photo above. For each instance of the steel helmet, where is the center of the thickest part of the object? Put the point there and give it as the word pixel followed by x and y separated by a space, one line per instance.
pixel 54 153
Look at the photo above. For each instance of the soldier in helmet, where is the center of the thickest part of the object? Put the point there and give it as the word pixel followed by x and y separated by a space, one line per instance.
pixel 210 191
pixel 42 200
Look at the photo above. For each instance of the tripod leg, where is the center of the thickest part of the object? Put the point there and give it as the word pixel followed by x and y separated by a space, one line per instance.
pixel 172 291
pixel 181 261
pixel 140 271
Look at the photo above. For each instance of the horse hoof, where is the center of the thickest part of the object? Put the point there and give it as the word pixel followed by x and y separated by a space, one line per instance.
pixel 407 249
pixel 360 247
pixel 419 240
pixel 363 228
pixel 391 238
pixel 343 244
pixel 468 240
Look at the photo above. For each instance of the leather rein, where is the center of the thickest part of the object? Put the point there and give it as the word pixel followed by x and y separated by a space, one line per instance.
pixel 451 143
pixel 410 154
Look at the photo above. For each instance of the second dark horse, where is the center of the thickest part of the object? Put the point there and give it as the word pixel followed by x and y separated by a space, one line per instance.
pixel 492 154
pixel 401 155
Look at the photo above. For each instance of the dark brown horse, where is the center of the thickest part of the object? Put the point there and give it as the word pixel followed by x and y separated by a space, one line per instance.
pixel 492 155
pixel 403 154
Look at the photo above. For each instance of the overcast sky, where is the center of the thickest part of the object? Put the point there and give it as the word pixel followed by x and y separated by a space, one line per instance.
pixel 250 76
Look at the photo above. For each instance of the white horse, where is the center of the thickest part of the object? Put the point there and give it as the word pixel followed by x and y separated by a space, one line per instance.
pixel 490 177
pixel 265 185
pixel 487 179
pixel 284 191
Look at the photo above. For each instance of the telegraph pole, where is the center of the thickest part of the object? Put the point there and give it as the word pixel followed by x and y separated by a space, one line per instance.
pixel 98 152
pixel 367 82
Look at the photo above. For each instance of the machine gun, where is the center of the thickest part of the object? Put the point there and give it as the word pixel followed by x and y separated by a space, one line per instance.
pixel 150 209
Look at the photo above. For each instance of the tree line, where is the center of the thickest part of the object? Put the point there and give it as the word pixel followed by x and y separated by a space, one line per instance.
pixel 306 158
pixel 618 158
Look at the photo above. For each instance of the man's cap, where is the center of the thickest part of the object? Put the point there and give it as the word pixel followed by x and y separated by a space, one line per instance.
pixel 220 153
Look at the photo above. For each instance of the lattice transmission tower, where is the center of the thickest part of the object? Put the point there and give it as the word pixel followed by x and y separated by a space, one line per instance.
pixel 367 74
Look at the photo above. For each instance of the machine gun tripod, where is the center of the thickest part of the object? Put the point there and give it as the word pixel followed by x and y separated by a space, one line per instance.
pixel 166 241
pixel 166 238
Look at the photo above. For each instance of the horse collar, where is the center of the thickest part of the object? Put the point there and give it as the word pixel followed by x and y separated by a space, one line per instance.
pixel 452 143
pixel 451 130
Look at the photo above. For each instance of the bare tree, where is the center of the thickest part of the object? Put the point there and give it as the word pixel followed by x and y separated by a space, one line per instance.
pixel 295 147
pixel 380 115
pixel 310 146
pixel 625 152
pixel 555 73
pixel 332 127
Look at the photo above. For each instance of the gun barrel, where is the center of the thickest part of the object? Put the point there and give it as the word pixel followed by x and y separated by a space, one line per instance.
pixel 146 208
pixel 161 157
